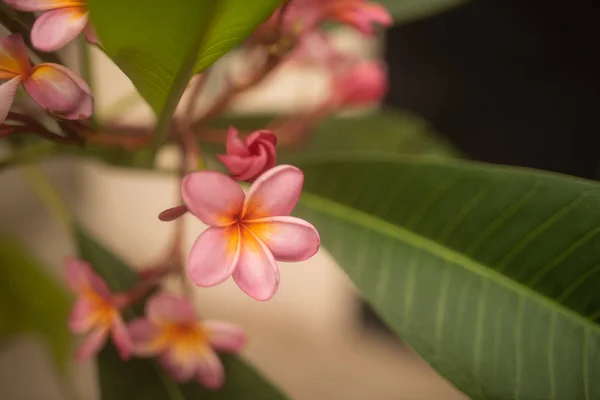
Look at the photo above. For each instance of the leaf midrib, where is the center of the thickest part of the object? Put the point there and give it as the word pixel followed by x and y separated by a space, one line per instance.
pixel 344 212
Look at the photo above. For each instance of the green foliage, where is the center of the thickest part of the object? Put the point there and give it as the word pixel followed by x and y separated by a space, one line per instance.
pixel 158 44
pixel 143 378
pixel 408 10
pixel 490 273
pixel 31 302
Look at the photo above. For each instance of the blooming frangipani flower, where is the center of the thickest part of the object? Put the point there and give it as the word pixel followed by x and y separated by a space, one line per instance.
pixel 96 311
pixel 54 87
pixel 247 234
pixel 185 346
pixel 60 23
pixel 248 159
pixel 361 84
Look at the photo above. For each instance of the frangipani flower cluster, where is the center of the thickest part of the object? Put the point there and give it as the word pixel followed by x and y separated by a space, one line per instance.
pixel 54 87
pixel 61 22
pixel 184 345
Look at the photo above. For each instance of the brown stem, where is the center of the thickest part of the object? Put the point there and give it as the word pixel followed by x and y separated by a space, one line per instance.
pixel 28 124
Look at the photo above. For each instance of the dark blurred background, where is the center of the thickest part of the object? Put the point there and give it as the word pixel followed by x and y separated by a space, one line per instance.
pixel 513 82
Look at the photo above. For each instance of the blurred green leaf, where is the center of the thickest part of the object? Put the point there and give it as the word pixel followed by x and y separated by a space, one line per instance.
pixel 408 10
pixel 490 273
pixel 31 302
pixel 143 379
pixel 158 44
pixel 388 131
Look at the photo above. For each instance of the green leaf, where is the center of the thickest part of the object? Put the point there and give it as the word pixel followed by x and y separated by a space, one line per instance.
pixel 142 378
pixel 408 10
pixel 389 131
pixel 491 273
pixel 31 302
pixel 159 43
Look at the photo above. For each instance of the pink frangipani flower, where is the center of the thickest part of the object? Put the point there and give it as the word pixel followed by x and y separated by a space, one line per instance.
pixel 248 159
pixel 54 87
pixel 60 23
pixel 361 84
pixel 360 14
pixel 247 233
pixel 96 311
pixel 185 346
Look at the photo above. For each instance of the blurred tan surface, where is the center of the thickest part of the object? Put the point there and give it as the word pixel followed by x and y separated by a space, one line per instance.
pixel 307 339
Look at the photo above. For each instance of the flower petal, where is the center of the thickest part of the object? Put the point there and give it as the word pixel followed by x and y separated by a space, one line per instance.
pixel 288 238
pixel 235 164
pixel 256 166
pixel 120 337
pixel 143 334
pixel 180 363
pixel 54 29
pixel 234 145
pixel 8 90
pixel 210 371
pixel 13 57
pixel 42 5
pixel 81 318
pixel 92 343
pixel 60 91
pixel 165 308
pixel 213 197
pixel 81 278
pixel 90 34
pixel 225 336
pixel 256 272
pixel 274 193
pixel 264 135
pixel 214 255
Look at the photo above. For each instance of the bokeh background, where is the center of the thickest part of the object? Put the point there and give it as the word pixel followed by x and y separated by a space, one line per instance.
pixel 512 82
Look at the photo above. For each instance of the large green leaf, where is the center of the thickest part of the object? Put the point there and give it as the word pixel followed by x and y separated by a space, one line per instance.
pixel 408 10
pixel 491 273
pixel 158 43
pixel 143 379
pixel 31 302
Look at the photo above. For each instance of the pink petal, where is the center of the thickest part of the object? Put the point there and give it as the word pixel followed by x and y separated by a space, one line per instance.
pixel 13 57
pixel 258 165
pixel 92 343
pixel 264 135
pixel 81 319
pixel 378 13
pixel 165 308
pixel 90 34
pixel 235 164
pixel 120 337
pixel 8 90
pixel 224 336
pixel 60 91
pixel 233 145
pixel 180 366
pixel 213 197
pixel 274 193
pixel 210 371
pixel 288 238
pixel 256 272
pixel 42 5
pixel 143 333
pixel 214 256
pixel 81 278
pixel 54 29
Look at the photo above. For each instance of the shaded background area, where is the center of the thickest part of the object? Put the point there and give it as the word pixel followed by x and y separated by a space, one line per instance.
pixel 512 82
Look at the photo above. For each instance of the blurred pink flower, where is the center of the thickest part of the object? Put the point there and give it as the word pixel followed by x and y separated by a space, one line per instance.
pixel 60 23
pixel 247 233
pixel 185 346
pixel 96 311
pixel 360 14
pixel 362 84
pixel 54 87
pixel 248 159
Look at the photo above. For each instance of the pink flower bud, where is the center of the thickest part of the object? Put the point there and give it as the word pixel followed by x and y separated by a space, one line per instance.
pixel 359 14
pixel 248 159
pixel 362 84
